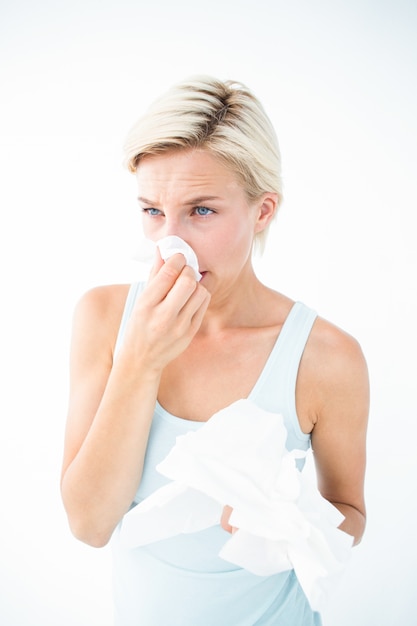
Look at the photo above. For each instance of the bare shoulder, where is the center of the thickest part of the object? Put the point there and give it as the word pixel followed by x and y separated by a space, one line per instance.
pixel 101 308
pixel 338 352
pixel 334 344
pixel 335 366
pixel 105 300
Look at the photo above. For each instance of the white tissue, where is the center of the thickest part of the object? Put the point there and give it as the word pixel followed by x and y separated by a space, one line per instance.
pixel 239 458
pixel 168 246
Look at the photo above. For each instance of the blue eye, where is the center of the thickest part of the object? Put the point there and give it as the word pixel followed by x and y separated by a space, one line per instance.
pixel 203 210
pixel 152 211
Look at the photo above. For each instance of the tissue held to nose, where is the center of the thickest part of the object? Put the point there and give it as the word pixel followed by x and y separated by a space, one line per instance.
pixel 168 246
pixel 172 244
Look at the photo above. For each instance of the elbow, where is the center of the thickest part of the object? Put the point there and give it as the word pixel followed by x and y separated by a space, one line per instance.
pixel 87 526
pixel 360 532
pixel 89 533
pixel 91 520
pixel 87 523
pixel 354 520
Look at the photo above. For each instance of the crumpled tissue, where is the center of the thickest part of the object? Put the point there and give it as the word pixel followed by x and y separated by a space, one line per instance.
pixel 238 458
pixel 168 246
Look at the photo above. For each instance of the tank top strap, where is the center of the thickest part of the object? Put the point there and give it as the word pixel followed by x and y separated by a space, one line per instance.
pixel 134 290
pixel 294 335
pixel 275 388
pixel 293 340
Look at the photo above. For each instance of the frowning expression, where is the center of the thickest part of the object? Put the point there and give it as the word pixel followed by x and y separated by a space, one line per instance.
pixel 192 194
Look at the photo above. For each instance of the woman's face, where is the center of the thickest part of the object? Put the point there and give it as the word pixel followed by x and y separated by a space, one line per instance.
pixel 193 195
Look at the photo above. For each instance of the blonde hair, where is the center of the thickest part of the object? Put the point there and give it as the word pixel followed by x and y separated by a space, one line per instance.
pixel 224 118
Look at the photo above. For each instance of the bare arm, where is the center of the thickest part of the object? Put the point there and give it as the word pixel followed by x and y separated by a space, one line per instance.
pixel 339 434
pixel 112 402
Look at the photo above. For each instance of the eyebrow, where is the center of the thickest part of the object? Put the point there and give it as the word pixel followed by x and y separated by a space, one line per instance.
pixel 192 201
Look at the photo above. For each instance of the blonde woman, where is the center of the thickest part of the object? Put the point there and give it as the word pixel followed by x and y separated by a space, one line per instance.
pixel 208 169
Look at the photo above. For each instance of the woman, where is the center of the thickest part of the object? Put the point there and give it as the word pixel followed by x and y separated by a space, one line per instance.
pixel 208 170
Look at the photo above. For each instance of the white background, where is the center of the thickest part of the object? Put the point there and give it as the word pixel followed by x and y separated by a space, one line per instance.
pixel 338 79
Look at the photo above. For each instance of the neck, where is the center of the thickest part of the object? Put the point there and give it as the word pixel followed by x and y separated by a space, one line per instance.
pixel 237 306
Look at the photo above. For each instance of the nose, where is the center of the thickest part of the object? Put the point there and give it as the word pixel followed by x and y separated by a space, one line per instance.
pixel 172 226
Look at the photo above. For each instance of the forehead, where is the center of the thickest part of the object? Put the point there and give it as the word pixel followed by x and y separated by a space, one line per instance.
pixel 194 167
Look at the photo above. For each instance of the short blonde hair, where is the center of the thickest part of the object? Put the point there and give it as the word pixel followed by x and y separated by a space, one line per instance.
pixel 223 117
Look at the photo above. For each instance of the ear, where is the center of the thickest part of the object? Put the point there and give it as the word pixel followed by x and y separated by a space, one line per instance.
pixel 267 207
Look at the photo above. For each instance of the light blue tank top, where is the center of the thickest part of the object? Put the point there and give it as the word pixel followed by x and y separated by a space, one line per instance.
pixel 181 581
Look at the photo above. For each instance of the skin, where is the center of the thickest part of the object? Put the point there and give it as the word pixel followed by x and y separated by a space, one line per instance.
pixel 217 333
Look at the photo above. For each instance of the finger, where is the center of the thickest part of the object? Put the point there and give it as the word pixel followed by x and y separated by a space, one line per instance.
pixel 196 308
pixel 182 291
pixel 224 521
pixel 190 317
pixel 164 278
pixel 157 264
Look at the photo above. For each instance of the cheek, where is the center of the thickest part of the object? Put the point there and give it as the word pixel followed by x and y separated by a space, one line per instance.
pixel 228 248
pixel 242 235
pixel 149 229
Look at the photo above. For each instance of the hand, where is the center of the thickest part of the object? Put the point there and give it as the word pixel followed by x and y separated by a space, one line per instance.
pixel 167 314
pixel 224 521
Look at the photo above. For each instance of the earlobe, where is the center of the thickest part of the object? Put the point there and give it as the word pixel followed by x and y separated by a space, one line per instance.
pixel 268 206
